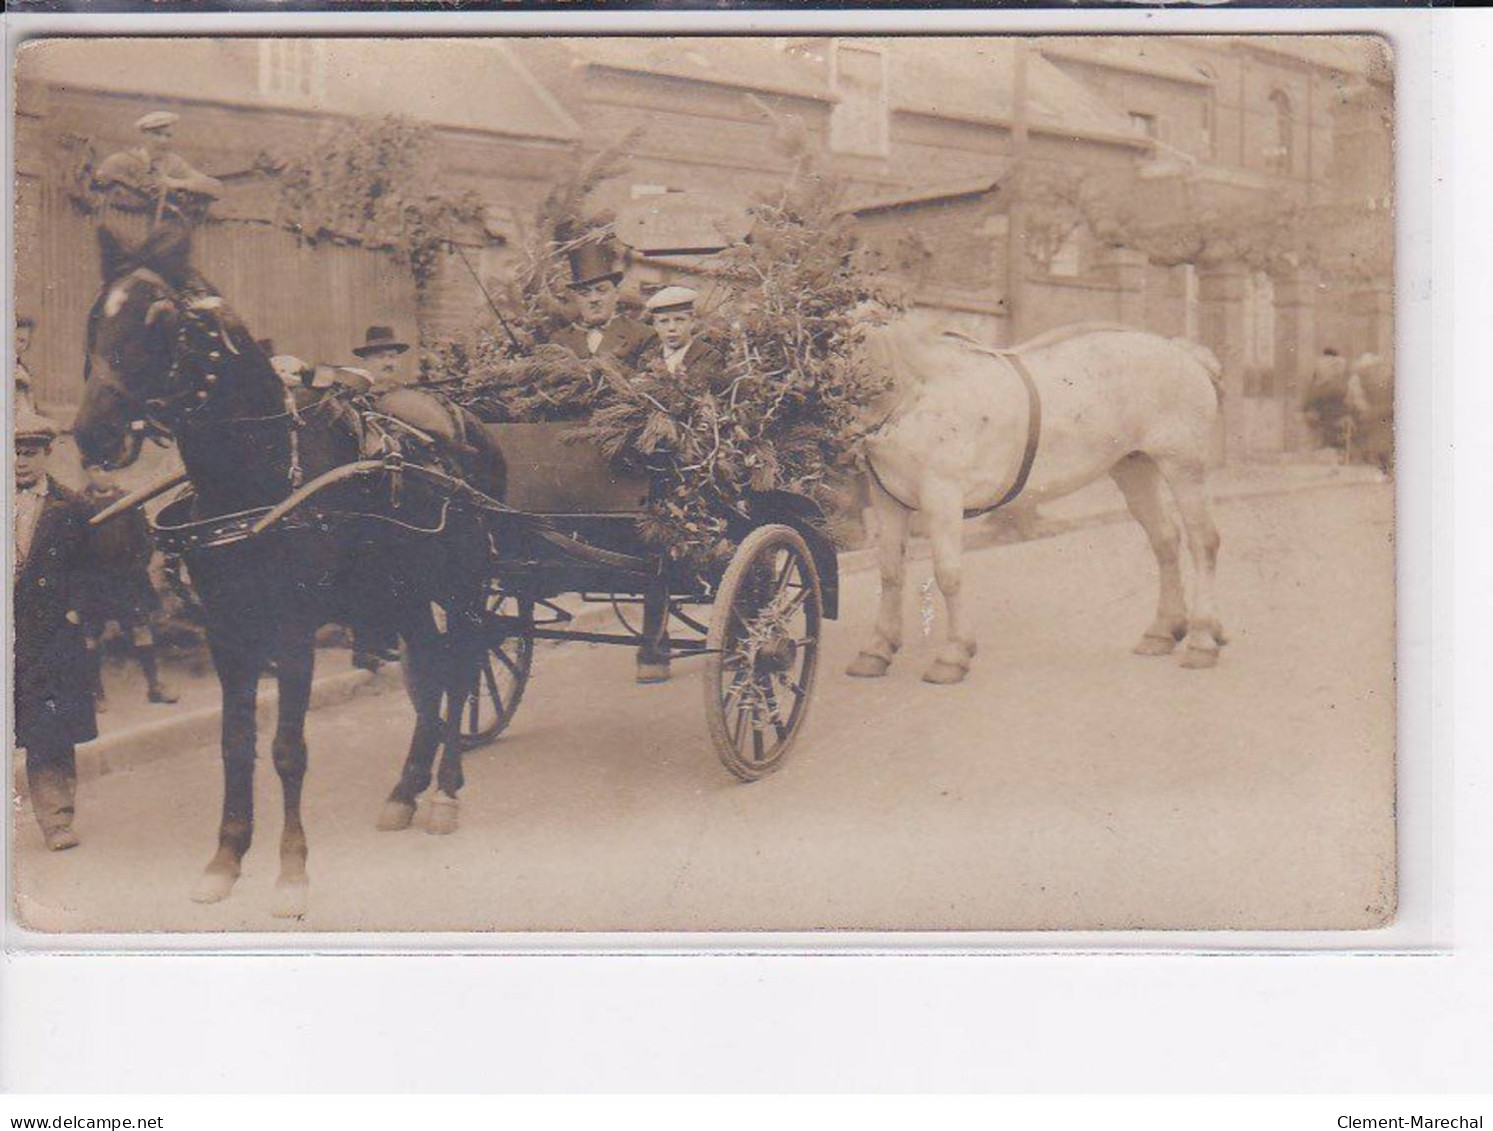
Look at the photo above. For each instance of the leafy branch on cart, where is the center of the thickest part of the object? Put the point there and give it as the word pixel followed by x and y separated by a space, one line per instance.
pixel 788 411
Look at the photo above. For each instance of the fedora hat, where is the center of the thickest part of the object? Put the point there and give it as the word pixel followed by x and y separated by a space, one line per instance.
pixel 380 339
pixel 591 263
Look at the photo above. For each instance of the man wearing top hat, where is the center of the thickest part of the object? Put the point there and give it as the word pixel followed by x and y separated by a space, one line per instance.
pixel 53 678
pixel 683 353
pixel 600 331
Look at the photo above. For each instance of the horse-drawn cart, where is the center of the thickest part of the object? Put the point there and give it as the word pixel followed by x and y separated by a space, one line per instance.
pixel 565 534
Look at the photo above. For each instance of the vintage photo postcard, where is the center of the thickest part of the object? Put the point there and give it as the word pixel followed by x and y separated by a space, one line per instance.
pixel 684 484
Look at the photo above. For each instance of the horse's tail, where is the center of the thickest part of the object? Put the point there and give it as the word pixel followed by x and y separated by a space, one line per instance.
pixel 1208 360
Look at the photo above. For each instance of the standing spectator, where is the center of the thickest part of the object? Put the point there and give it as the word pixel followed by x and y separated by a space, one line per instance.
pixel 25 394
pixel 120 588
pixel 599 331
pixel 53 692
pixel 1326 404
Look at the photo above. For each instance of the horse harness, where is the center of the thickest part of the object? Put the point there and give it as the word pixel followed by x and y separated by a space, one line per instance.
pixel 1033 426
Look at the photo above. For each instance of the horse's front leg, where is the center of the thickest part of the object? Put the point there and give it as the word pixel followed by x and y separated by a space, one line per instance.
pixel 892 521
pixel 463 662
pixel 295 663
pixel 943 505
pixel 238 676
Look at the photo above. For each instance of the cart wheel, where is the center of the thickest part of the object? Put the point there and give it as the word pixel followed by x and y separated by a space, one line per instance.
pixel 764 651
pixel 503 677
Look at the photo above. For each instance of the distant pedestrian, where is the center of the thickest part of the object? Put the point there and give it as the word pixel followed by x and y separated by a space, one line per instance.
pixel 25 393
pixel 53 679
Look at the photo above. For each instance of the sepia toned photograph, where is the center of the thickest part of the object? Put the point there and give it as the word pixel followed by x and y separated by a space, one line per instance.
pixel 779 484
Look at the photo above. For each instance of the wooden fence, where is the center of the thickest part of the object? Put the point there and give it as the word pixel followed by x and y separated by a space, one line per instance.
pixel 314 302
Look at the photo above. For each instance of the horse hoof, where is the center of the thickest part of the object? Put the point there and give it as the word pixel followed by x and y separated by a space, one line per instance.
pixel 290 899
pixel 1198 659
pixel 868 666
pixel 1155 646
pixel 445 814
pixel 214 886
pixel 396 816
pixel 941 671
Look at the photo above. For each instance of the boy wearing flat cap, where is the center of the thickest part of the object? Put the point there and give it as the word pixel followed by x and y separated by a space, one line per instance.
pixel 53 677
pixel 600 331
pixel 684 354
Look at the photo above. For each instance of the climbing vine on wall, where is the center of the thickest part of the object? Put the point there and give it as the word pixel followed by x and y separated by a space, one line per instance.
pixel 376 183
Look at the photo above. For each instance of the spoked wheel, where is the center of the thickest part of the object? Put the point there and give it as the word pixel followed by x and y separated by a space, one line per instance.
pixel 764 651
pixel 503 676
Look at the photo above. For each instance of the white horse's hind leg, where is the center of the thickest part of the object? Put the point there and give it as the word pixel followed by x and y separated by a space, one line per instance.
pixel 1204 636
pixel 892 521
pixel 944 507
pixel 1139 480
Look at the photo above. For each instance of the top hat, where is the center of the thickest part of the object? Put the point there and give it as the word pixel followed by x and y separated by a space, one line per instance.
pixel 591 263
pixel 379 339
pixel 156 120
pixel 35 427
pixel 670 299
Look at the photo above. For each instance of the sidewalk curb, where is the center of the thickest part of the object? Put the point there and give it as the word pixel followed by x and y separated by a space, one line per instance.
pixel 149 742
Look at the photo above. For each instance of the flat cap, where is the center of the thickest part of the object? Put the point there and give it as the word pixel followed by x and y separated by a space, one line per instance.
pixel 672 298
pixel 34 426
pixel 156 120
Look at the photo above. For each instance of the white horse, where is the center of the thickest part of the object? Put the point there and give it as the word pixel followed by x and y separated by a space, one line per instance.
pixel 955 439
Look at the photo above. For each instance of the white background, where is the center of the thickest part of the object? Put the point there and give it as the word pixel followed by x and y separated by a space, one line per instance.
pixel 1420 1019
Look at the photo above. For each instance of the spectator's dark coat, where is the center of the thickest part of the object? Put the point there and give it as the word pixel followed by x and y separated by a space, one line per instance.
pixel 119 552
pixel 53 685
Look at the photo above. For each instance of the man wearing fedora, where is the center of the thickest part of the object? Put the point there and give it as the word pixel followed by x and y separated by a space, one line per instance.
pixel 385 364
pixel 383 356
pixel 599 331
pixel 53 678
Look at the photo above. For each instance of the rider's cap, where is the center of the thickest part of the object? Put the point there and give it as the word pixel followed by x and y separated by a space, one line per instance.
pixel 672 298
pixel 156 120
pixel 35 427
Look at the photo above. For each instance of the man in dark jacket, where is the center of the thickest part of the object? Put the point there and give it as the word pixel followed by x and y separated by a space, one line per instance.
pixel 53 692
pixel 685 355
pixel 600 331
pixel 119 587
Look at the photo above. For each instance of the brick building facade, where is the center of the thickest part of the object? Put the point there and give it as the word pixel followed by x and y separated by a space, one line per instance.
pixel 923 132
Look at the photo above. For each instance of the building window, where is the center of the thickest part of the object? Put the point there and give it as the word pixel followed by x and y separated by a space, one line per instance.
pixel 1145 124
pixel 859 123
pixel 1279 156
pixel 292 69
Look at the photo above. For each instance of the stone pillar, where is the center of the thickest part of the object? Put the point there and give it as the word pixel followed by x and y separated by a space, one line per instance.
pixel 1295 348
pixel 1129 270
pixel 1221 327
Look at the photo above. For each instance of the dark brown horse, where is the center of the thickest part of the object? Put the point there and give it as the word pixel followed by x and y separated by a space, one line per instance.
pixel 166 354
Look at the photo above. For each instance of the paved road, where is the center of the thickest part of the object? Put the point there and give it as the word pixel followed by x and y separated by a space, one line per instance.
pixel 1066 783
